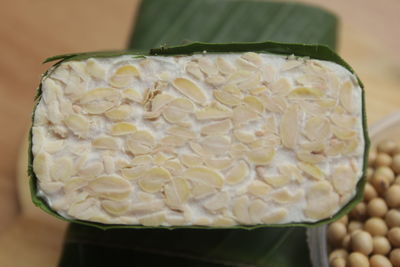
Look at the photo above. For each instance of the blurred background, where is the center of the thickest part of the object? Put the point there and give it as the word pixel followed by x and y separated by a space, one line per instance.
pixel 30 31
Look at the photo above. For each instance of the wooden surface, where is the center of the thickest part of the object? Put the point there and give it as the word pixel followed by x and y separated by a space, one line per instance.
pixel 30 31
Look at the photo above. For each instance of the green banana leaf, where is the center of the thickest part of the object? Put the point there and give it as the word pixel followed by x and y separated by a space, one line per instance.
pixel 172 22
pixel 88 246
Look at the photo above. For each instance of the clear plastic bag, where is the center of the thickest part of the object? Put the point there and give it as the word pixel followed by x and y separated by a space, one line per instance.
pixel 387 128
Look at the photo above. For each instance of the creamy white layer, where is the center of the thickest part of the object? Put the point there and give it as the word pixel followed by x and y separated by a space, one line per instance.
pixel 126 140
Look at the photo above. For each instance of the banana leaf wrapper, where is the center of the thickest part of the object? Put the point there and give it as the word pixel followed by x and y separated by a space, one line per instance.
pixel 88 246
pixel 301 50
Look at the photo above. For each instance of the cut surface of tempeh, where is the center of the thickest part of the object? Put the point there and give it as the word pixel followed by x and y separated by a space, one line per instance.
pixel 215 139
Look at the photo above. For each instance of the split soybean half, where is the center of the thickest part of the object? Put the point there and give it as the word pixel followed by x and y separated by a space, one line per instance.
pixel 201 135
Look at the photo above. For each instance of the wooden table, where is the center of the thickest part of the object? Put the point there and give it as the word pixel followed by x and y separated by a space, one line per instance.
pixel 33 30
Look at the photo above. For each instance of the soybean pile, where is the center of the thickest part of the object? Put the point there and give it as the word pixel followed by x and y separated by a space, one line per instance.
pixel 370 234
